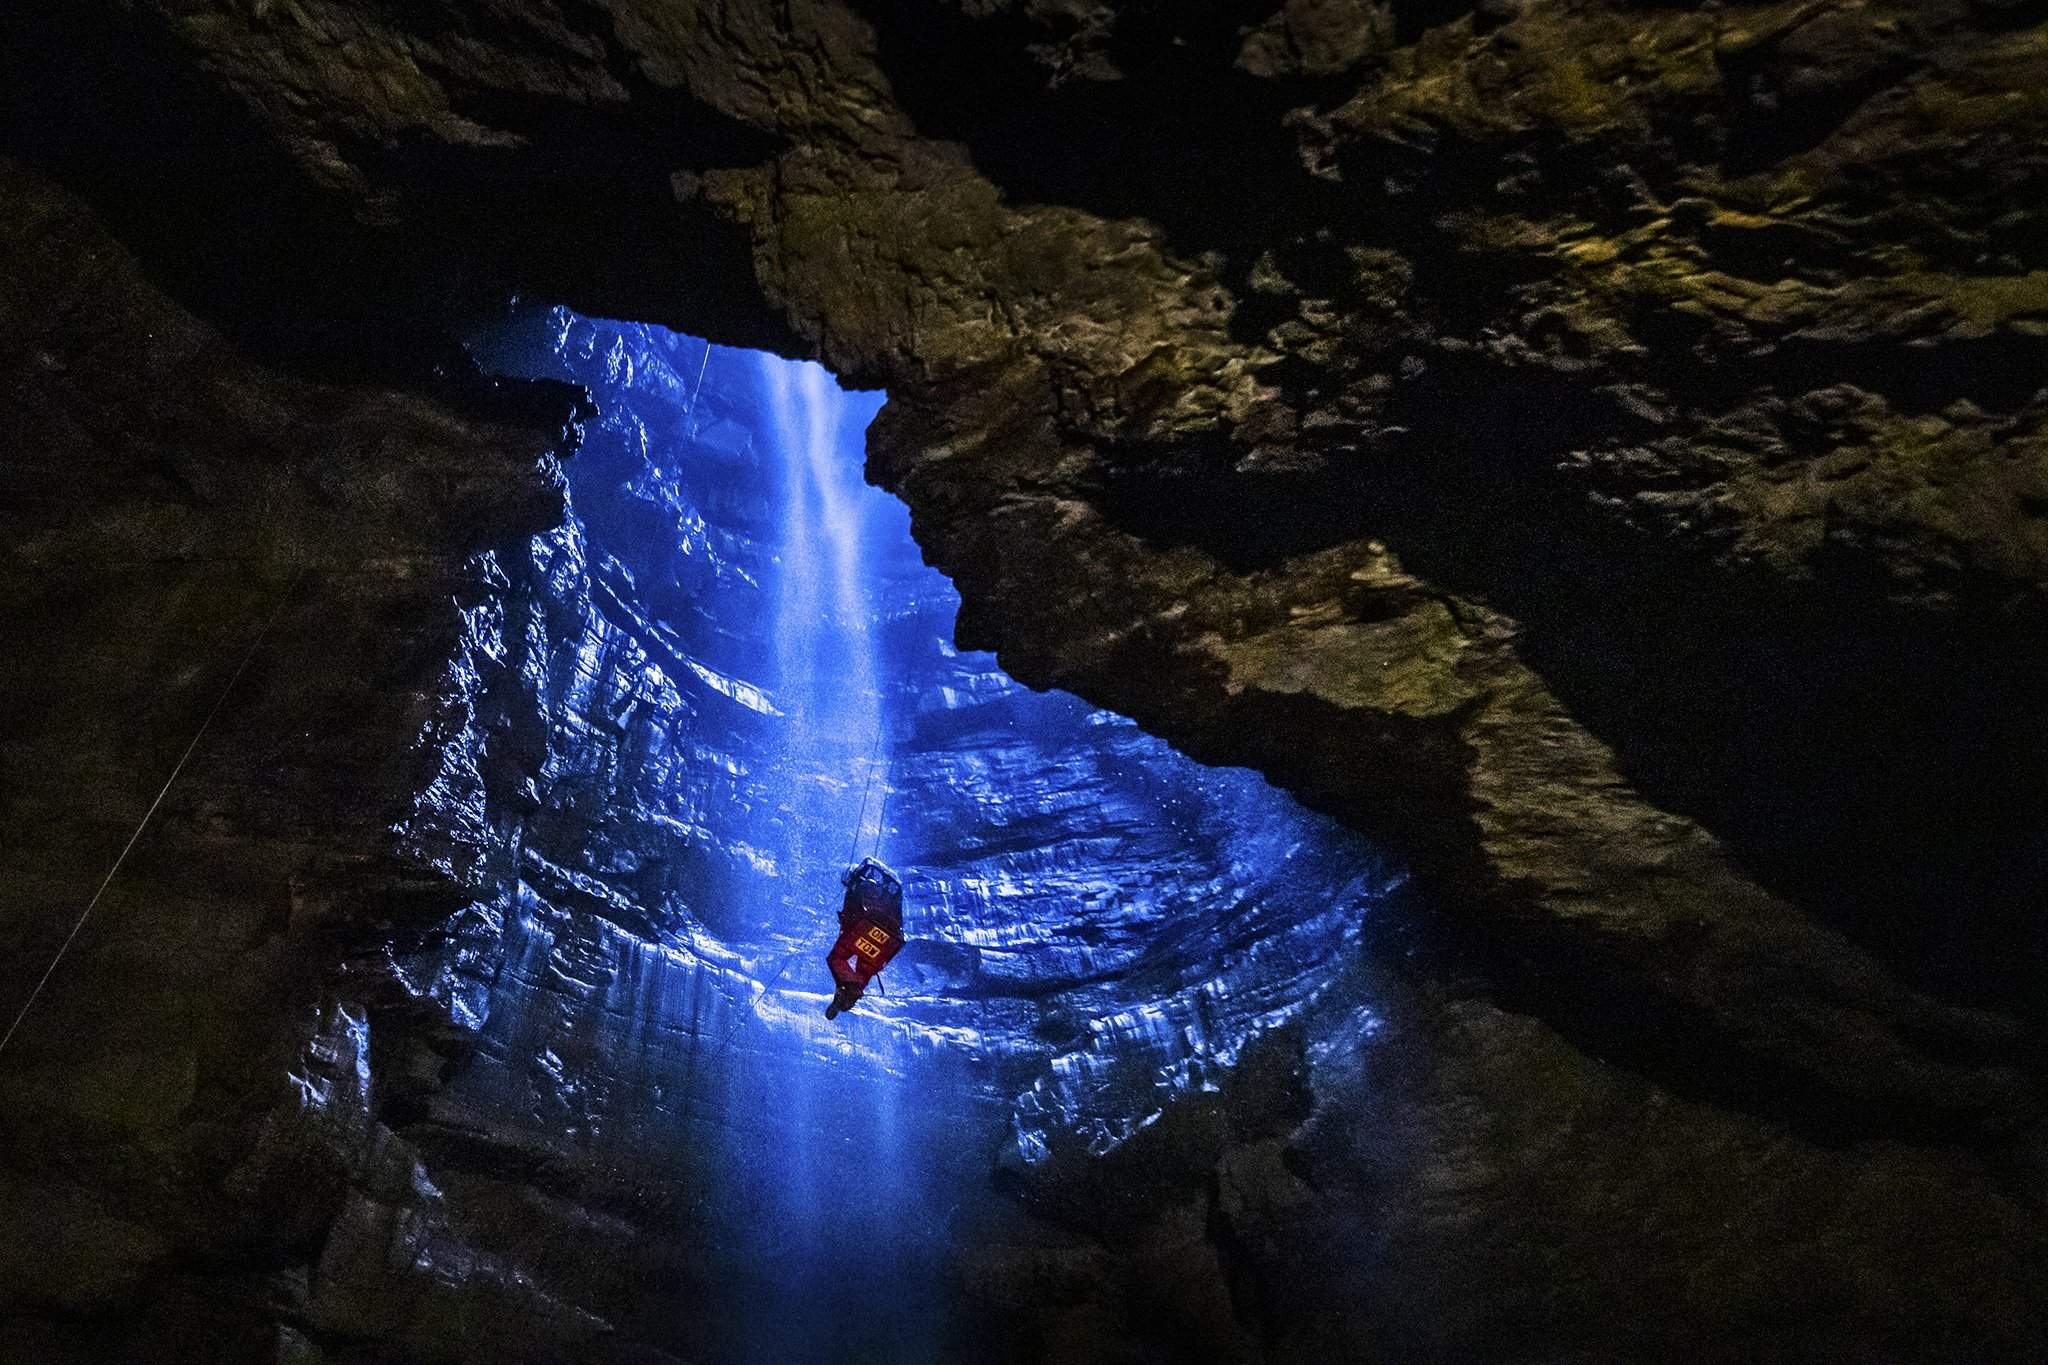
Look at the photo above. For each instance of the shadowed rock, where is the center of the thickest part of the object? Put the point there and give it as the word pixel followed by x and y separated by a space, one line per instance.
pixel 1595 451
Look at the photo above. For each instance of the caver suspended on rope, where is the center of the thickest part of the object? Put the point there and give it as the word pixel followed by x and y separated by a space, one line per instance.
pixel 871 931
pixel 871 915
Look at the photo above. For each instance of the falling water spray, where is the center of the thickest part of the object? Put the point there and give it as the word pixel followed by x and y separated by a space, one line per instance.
pixel 825 637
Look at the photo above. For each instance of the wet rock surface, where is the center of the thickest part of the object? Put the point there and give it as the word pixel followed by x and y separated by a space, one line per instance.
pixel 1593 450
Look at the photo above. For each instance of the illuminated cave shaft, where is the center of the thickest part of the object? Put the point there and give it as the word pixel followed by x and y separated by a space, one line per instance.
pixel 1099 929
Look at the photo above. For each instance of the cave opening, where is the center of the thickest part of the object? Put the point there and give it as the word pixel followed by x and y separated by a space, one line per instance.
pixel 1117 959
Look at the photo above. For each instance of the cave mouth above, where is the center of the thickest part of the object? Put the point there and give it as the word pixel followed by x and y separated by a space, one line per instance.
pixel 762 687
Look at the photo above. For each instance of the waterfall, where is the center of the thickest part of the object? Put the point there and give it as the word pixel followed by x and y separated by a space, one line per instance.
pixel 827 670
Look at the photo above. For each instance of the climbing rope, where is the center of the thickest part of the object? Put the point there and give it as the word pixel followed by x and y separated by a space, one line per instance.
pixel 150 814
pixel 691 410
pixel 874 766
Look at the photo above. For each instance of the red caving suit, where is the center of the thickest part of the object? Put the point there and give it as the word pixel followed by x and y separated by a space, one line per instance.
pixel 871 932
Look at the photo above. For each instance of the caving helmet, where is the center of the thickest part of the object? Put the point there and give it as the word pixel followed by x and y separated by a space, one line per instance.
pixel 872 872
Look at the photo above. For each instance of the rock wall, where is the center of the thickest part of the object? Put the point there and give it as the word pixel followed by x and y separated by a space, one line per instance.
pixel 1593 449
pixel 1615 424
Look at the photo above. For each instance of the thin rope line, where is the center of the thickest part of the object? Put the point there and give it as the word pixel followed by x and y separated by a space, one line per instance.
pixel 148 815
pixel 691 410
pixel 874 766
pixel 881 811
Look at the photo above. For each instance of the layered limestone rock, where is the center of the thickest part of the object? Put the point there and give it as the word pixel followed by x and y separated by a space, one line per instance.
pixel 1593 449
